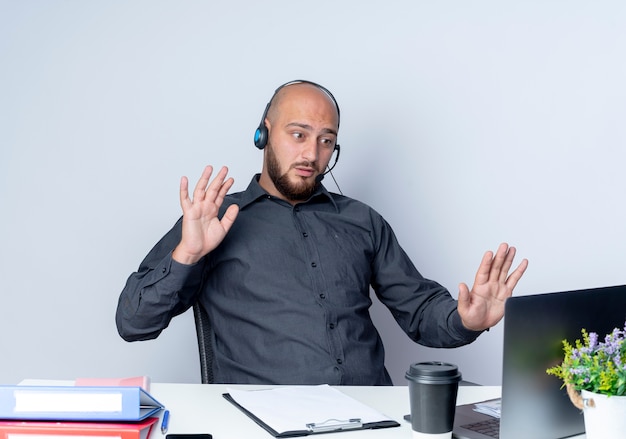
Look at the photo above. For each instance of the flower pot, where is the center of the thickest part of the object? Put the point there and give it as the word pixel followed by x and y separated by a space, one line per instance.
pixel 605 416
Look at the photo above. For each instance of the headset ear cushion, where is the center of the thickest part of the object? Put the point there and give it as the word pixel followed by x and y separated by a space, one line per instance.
pixel 260 136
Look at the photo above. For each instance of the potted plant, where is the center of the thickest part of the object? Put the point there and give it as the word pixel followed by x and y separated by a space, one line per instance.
pixel 594 372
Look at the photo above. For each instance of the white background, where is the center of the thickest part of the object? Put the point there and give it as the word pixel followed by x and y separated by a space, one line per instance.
pixel 465 123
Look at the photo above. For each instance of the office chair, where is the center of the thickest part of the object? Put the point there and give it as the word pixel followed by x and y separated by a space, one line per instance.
pixel 205 346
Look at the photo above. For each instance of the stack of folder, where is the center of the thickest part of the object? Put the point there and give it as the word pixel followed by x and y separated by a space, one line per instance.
pixel 122 412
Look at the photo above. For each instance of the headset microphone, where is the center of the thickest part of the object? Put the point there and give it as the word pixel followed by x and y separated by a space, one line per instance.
pixel 321 176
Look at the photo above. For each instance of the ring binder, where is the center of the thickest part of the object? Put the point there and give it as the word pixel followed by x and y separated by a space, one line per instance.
pixel 334 425
pixel 76 403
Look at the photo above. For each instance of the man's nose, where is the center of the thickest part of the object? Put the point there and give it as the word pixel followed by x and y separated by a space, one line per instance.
pixel 310 150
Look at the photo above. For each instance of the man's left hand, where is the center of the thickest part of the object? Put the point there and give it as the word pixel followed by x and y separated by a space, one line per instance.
pixel 483 306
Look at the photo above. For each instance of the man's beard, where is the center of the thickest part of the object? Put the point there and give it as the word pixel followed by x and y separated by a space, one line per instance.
pixel 292 191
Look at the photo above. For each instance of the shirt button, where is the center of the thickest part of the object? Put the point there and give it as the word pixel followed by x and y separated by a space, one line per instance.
pixel 331 326
pixel 163 270
pixel 339 361
pixel 322 296
pixel 313 264
pixel 305 234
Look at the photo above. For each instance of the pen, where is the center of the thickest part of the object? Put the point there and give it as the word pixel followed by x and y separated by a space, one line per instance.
pixel 165 421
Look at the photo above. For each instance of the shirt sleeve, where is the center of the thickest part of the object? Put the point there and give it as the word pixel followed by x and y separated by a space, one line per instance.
pixel 159 290
pixel 423 308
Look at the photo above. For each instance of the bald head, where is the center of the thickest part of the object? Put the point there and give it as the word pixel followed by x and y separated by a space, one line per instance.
pixel 307 97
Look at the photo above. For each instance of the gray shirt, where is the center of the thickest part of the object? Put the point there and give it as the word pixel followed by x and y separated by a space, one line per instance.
pixel 288 292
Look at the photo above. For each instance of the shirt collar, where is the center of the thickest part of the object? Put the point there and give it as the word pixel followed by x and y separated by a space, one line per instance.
pixel 254 191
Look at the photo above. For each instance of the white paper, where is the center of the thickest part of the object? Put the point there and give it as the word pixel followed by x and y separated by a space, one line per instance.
pixel 39 401
pixel 59 436
pixel 490 408
pixel 291 408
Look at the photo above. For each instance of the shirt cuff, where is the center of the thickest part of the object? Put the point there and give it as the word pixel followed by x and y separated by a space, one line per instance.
pixel 178 274
pixel 464 333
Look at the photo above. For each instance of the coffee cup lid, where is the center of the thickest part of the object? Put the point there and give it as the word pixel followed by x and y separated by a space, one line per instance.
pixel 433 372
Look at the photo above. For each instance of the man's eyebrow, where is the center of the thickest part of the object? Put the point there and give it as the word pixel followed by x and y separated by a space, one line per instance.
pixel 308 127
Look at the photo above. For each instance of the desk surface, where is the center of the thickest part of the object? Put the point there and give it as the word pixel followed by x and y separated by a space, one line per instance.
pixel 201 408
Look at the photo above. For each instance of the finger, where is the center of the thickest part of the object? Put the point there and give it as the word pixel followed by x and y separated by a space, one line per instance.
pixel 223 191
pixel 514 278
pixel 464 295
pixel 464 303
pixel 499 261
pixel 229 217
pixel 482 275
pixel 184 192
pixel 212 192
pixel 200 189
pixel 506 266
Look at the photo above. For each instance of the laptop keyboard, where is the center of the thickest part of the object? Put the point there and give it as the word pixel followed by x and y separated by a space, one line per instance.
pixel 489 427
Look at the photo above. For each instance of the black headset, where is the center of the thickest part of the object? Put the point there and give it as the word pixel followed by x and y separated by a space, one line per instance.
pixel 261 134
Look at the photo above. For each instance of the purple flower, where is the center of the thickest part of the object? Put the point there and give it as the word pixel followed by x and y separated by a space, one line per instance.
pixel 595 365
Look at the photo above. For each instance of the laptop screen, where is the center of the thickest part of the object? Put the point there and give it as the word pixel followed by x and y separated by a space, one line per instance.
pixel 533 403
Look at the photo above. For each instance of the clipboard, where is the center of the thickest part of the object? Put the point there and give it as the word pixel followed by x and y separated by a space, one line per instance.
pixel 292 411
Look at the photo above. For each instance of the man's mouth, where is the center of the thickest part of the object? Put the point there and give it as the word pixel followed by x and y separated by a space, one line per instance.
pixel 305 171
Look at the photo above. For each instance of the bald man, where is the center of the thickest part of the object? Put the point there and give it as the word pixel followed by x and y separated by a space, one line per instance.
pixel 284 268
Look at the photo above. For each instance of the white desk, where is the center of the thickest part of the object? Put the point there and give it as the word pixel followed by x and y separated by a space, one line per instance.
pixel 201 408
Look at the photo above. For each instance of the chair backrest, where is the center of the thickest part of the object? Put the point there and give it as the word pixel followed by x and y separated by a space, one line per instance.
pixel 205 345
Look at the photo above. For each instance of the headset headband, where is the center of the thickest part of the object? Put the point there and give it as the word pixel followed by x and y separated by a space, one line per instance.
pixel 261 134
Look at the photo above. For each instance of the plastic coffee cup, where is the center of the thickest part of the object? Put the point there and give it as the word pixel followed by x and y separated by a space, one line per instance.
pixel 433 387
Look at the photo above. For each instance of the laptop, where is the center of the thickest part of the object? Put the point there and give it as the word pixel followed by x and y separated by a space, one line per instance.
pixel 533 404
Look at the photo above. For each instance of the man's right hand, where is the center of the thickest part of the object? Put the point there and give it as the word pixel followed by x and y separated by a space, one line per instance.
pixel 203 231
